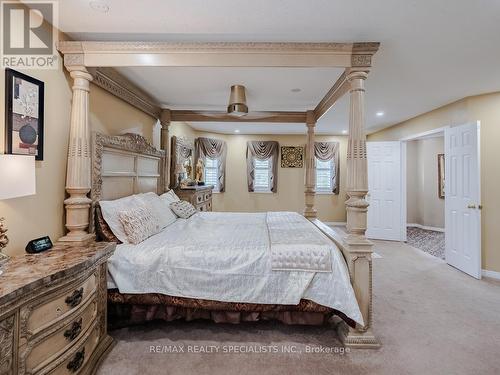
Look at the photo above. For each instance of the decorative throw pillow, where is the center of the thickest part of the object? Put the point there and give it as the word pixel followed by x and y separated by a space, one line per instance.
pixel 138 224
pixel 183 209
pixel 159 208
pixel 170 197
pixel 111 211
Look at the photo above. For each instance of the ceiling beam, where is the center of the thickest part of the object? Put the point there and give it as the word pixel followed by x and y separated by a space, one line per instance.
pixel 118 54
pixel 219 116
pixel 340 87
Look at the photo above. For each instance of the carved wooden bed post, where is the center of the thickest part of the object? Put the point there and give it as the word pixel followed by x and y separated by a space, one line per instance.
pixel 359 248
pixel 165 119
pixel 78 178
pixel 310 211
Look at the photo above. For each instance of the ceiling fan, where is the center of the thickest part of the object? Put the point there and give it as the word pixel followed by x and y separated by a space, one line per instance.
pixel 238 107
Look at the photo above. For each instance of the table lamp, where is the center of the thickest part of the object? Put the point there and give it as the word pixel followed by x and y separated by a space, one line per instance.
pixel 17 179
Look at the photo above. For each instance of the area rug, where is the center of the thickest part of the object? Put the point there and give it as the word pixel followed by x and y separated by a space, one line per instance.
pixel 430 241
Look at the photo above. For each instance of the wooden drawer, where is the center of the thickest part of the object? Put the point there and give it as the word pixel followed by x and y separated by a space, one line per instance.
pixel 76 359
pixel 59 304
pixel 199 198
pixel 207 196
pixel 42 350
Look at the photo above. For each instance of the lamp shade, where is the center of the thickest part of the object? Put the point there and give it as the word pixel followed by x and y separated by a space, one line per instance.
pixel 17 176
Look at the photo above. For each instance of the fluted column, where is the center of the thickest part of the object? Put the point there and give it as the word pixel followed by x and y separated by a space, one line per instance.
pixel 78 180
pixel 310 211
pixel 357 167
pixel 165 120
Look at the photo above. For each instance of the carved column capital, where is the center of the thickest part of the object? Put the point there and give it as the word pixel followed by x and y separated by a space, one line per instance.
pixel 165 118
pixel 355 74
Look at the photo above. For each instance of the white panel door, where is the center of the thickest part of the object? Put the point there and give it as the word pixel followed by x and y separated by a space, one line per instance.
pixel 462 199
pixel 384 196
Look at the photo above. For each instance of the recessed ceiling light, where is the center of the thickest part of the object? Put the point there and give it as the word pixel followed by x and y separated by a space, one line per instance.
pixel 296 90
pixel 237 130
pixel 344 131
pixel 99 6
pixel 380 113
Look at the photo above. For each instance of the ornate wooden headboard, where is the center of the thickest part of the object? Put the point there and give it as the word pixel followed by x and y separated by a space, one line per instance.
pixel 123 165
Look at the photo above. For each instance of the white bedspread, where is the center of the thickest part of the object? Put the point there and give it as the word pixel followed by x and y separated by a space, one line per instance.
pixel 226 257
pixel 294 246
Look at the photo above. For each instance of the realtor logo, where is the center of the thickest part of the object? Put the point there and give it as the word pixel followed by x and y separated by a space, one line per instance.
pixel 29 33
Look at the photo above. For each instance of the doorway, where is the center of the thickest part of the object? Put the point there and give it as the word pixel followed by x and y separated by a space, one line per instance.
pixel 425 198
pixel 390 180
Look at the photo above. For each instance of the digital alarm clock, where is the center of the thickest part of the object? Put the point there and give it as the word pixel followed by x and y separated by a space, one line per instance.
pixel 38 245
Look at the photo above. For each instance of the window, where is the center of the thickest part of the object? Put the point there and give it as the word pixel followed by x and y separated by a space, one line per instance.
pixel 262 170
pixel 212 173
pixel 324 174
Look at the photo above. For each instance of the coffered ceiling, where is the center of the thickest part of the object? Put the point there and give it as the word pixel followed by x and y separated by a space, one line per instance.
pixel 432 52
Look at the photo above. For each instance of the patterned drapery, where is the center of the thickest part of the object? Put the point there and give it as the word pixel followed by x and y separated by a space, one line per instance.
pixel 326 151
pixel 214 149
pixel 262 150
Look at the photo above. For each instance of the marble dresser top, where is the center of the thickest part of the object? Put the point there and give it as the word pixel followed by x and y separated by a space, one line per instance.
pixel 25 273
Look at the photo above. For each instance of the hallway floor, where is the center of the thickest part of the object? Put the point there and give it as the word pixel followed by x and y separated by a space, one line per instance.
pixel 430 241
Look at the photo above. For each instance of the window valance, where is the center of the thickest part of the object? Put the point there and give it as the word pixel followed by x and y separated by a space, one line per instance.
pixel 329 151
pixel 262 150
pixel 214 149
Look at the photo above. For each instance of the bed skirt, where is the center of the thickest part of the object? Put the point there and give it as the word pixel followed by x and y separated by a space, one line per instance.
pixel 130 309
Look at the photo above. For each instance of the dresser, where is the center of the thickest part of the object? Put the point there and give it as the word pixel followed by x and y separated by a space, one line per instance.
pixel 53 311
pixel 199 196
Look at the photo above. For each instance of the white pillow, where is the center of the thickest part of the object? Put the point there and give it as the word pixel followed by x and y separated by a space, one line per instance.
pixel 170 197
pixel 139 223
pixel 159 208
pixel 183 209
pixel 111 210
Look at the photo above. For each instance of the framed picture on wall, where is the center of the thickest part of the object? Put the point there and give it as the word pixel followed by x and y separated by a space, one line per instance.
pixel 24 102
pixel 292 157
pixel 441 180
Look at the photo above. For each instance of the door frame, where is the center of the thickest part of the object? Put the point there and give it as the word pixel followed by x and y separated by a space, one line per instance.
pixel 404 201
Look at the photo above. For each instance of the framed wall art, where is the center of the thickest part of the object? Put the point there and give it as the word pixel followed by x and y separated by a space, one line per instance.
pixel 441 179
pixel 24 102
pixel 292 157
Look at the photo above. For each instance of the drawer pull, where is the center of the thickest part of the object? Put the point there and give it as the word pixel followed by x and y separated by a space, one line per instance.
pixel 77 361
pixel 74 299
pixel 73 332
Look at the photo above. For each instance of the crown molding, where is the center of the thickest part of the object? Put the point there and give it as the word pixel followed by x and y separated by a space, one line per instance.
pixel 116 84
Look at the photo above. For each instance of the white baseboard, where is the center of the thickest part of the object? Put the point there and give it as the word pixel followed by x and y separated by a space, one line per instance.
pixel 424 227
pixel 491 274
pixel 335 223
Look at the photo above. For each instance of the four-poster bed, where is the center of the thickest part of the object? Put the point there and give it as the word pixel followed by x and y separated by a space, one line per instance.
pixel 87 61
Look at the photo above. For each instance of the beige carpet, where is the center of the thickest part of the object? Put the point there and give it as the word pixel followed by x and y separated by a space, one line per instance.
pixel 430 318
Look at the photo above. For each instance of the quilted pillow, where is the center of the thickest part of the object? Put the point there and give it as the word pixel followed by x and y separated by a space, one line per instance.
pixel 183 209
pixel 111 211
pixel 170 197
pixel 138 223
pixel 159 208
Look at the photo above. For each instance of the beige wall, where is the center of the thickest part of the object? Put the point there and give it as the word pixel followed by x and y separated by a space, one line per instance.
pixel 290 195
pixel 424 206
pixel 111 115
pixel 43 213
pixel 486 109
